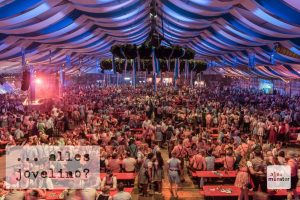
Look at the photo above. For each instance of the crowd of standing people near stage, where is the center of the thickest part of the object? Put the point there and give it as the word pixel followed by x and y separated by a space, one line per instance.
pixel 133 126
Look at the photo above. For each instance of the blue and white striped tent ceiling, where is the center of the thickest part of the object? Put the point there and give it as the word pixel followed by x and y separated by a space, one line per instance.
pixel 226 30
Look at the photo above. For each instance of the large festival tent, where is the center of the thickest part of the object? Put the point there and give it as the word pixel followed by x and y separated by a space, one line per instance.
pixel 234 37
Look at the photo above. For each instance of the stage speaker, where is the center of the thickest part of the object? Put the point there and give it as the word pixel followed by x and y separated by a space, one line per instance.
pixel 25 80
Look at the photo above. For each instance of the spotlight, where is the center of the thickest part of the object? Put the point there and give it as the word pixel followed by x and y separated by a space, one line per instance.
pixel 38 81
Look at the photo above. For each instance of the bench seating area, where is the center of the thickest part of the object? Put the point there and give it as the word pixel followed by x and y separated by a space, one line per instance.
pixel 293 137
pixel 57 194
pixel 126 178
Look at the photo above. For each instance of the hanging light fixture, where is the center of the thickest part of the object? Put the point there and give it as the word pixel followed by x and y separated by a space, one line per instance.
pixel 153 12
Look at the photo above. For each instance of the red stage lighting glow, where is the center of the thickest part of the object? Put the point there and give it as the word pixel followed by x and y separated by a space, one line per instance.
pixel 38 81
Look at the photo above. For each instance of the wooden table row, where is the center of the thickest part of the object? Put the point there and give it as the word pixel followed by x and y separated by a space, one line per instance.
pixel 210 191
pixel 214 174
pixel 121 176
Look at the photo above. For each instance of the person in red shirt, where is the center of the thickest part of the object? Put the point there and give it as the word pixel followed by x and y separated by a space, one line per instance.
pixel 198 162
pixel 188 142
pixel 228 160
pixel 243 148
pixel 193 150
pixel 114 163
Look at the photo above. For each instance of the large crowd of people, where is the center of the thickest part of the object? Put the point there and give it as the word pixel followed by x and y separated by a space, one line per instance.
pixel 246 129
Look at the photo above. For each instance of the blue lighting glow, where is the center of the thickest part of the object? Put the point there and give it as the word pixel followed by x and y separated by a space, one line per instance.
pixel 266 86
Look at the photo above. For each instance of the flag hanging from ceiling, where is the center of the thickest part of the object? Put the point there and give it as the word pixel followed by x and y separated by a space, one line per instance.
pixel 176 69
pixel 186 70
pixel 23 58
pixel 155 62
pixel 272 59
pixel 134 73
pixel 113 64
pixel 68 61
pixel 251 60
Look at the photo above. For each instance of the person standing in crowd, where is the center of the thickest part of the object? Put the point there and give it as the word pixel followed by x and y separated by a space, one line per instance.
pixel 246 123
pixel 180 153
pixel 155 147
pixel 145 174
pixel 272 133
pixel 208 119
pixel 148 133
pixel 158 171
pixel 132 148
pixel 49 126
pixel 242 180
pixel 158 135
pixel 261 130
pixel 174 170
pixel 257 168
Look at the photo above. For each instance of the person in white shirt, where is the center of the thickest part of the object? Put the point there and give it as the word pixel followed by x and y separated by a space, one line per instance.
pixel 19 134
pixel 121 195
pixel 89 193
pixel 129 163
pixel 49 126
pixel 146 124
